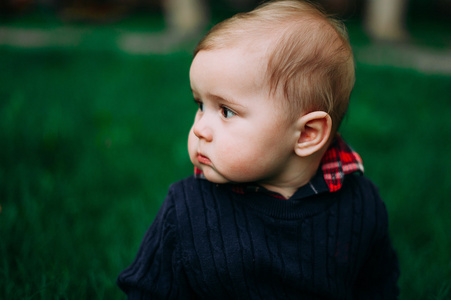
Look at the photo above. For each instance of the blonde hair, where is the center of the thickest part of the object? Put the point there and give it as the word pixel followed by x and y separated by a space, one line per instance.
pixel 309 58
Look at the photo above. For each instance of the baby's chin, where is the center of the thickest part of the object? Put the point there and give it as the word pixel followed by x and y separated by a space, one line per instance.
pixel 213 175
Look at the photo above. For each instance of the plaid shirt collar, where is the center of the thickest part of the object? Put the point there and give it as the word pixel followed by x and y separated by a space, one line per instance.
pixel 339 160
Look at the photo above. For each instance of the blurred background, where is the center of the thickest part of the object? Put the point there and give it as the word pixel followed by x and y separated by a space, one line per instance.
pixel 95 108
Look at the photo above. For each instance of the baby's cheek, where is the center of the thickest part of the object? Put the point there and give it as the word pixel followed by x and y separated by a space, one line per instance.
pixel 241 164
pixel 192 145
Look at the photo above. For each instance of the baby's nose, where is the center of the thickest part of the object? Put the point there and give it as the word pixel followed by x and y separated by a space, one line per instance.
pixel 202 129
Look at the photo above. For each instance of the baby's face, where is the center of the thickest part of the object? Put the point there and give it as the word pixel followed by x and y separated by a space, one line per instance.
pixel 240 133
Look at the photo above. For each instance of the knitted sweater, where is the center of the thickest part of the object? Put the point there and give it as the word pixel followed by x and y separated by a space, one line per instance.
pixel 213 241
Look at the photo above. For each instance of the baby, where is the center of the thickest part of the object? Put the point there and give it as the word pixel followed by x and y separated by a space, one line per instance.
pixel 278 207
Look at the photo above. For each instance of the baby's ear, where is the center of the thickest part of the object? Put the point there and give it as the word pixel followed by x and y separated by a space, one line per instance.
pixel 315 129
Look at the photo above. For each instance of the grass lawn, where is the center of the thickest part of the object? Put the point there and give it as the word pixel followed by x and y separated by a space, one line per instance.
pixel 91 138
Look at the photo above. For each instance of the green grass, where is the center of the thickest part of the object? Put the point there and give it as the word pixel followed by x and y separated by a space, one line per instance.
pixel 89 145
pixel 399 122
pixel 90 141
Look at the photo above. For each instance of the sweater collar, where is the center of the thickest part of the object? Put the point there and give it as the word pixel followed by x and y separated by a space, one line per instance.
pixel 339 160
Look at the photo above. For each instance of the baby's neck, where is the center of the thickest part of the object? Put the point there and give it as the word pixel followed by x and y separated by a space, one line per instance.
pixel 286 192
pixel 294 179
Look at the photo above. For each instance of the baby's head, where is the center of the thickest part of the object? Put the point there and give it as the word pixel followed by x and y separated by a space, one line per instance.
pixel 272 87
pixel 307 54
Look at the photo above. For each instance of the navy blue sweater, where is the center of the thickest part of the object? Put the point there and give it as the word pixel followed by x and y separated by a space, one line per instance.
pixel 210 242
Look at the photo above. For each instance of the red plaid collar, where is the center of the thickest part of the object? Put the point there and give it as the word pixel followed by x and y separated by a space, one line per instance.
pixel 338 161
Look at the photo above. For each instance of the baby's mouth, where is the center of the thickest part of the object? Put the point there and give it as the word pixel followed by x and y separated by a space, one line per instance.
pixel 203 159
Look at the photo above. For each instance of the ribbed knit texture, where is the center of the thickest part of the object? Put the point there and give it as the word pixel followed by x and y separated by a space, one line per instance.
pixel 208 242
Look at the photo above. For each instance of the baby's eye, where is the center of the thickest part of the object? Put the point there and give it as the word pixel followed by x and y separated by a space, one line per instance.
pixel 227 112
pixel 200 104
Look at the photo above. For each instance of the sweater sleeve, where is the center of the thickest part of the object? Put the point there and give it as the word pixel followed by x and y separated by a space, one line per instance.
pixel 157 272
pixel 379 276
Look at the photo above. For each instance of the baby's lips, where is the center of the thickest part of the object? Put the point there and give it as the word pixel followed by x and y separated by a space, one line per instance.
pixel 203 159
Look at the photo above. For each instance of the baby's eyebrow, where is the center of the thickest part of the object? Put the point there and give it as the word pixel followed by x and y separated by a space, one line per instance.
pixel 223 100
